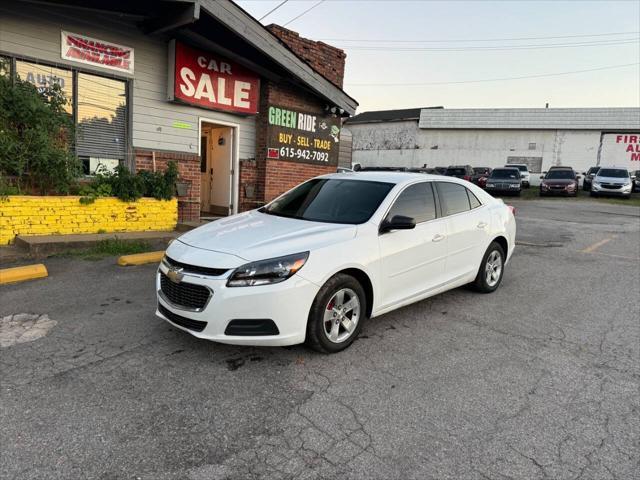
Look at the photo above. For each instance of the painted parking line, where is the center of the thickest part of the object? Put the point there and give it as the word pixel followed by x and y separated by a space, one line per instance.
pixel 597 245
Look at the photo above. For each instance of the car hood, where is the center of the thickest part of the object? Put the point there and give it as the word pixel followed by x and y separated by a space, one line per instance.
pixel 256 236
pixel 559 181
pixel 618 180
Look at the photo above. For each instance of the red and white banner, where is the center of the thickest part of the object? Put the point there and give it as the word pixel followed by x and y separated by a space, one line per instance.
pixel 91 51
pixel 207 80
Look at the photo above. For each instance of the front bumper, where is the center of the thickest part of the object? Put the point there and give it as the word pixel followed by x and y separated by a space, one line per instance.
pixel 623 191
pixel 287 304
pixel 502 190
pixel 558 191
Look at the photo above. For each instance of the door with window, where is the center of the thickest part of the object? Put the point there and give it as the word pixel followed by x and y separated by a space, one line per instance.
pixel 413 261
pixel 468 227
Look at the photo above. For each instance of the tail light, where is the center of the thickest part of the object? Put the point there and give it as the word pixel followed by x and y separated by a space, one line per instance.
pixel 512 209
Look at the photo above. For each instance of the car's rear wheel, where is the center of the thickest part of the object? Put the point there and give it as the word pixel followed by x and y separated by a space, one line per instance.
pixel 491 269
pixel 336 315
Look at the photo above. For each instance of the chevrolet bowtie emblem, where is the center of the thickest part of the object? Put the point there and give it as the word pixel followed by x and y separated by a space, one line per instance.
pixel 175 274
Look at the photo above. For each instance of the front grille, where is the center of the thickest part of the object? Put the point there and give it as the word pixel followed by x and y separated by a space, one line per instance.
pixel 214 272
pixel 611 186
pixel 195 325
pixel 184 294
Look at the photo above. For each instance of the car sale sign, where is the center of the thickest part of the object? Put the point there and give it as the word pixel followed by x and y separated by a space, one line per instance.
pixel 621 149
pixel 210 81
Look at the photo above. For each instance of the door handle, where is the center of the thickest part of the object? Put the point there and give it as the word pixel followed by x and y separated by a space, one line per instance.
pixel 437 238
pixel 482 224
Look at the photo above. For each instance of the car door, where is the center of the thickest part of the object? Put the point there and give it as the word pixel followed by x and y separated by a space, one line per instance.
pixel 412 261
pixel 468 228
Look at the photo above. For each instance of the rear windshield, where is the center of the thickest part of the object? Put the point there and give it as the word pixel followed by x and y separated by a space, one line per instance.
pixel 510 173
pixel 480 170
pixel 331 200
pixel 456 171
pixel 613 172
pixel 560 174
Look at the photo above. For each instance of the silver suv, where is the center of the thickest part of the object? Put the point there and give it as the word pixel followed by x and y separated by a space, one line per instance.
pixel 525 176
pixel 612 181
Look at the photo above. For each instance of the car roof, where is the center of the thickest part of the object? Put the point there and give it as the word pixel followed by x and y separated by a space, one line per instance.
pixel 389 177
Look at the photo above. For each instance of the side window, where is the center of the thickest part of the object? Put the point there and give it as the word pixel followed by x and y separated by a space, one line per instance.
pixel 417 202
pixel 454 198
pixel 473 200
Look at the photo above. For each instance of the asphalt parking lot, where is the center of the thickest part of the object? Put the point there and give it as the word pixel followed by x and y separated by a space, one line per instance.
pixel 539 380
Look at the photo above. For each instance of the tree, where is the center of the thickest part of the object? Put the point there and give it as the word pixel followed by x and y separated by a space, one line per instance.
pixel 36 136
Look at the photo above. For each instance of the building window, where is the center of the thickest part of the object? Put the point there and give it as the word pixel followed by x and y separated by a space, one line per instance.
pixel 43 76
pixel 102 122
pixel 5 66
pixel 532 145
pixel 99 106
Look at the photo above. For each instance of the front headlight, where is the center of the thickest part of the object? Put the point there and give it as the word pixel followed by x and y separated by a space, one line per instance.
pixel 513 185
pixel 267 272
pixel 490 185
pixel 595 184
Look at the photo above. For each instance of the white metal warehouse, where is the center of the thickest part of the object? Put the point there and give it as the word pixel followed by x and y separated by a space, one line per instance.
pixel 539 137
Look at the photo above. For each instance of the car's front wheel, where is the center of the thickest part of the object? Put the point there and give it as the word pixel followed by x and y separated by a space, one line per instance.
pixel 336 315
pixel 491 269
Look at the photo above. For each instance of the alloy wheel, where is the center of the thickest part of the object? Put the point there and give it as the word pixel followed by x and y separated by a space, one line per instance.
pixel 341 315
pixel 493 268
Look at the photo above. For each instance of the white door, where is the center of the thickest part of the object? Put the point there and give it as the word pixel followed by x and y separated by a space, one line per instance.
pixel 221 159
pixel 205 171
pixel 413 261
pixel 468 227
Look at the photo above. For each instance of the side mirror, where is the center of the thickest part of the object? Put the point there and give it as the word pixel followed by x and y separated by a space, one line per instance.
pixel 397 222
pixel 542 177
pixel 584 173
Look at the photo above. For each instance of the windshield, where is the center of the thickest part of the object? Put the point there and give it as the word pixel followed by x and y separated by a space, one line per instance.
pixel 593 170
pixel 522 168
pixel 561 174
pixel 456 171
pixel 613 172
pixel 480 170
pixel 510 173
pixel 331 200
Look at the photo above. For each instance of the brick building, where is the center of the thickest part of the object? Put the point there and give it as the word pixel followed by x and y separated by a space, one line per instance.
pixel 246 111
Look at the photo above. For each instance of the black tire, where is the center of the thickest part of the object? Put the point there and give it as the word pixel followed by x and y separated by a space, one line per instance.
pixel 480 284
pixel 592 194
pixel 317 339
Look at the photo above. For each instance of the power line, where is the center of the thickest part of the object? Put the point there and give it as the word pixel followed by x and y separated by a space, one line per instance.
pixel 307 10
pixel 610 67
pixel 381 40
pixel 490 48
pixel 272 10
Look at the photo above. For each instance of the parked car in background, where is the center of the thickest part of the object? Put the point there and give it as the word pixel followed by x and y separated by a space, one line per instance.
pixel 465 172
pixel 480 175
pixel 440 170
pixel 612 181
pixel 635 176
pixel 559 181
pixel 428 170
pixel 314 264
pixel 525 176
pixel 506 181
pixel 588 178
pixel 382 169
pixel 344 170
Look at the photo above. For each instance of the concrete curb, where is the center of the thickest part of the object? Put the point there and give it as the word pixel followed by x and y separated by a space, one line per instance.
pixel 140 258
pixel 21 274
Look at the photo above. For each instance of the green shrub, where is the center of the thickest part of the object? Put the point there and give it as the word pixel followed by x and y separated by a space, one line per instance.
pixel 36 136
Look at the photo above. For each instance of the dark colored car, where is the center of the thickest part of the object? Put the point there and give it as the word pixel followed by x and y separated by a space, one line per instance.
pixel 504 181
pixel 636 180
pixel 382 169
pixel 588 178
pixel 480 175
pixel 559 181
pixel 440 170
pixel 422 170
pixel 465 172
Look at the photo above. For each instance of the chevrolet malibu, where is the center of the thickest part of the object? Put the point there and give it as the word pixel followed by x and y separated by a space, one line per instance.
pixel 314 264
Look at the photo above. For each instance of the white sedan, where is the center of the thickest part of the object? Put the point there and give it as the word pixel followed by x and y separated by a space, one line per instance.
pixel 315 263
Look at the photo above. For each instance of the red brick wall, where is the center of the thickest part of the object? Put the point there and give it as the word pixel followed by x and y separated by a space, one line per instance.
pixel 328 61
pixel 188 169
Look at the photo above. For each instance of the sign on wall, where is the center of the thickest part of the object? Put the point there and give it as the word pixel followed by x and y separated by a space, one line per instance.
pixel 207 80
pixel 620 149
pixel 302 137
pixel 98 53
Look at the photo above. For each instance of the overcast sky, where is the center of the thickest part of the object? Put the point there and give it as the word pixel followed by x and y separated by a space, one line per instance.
pixel 382 41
